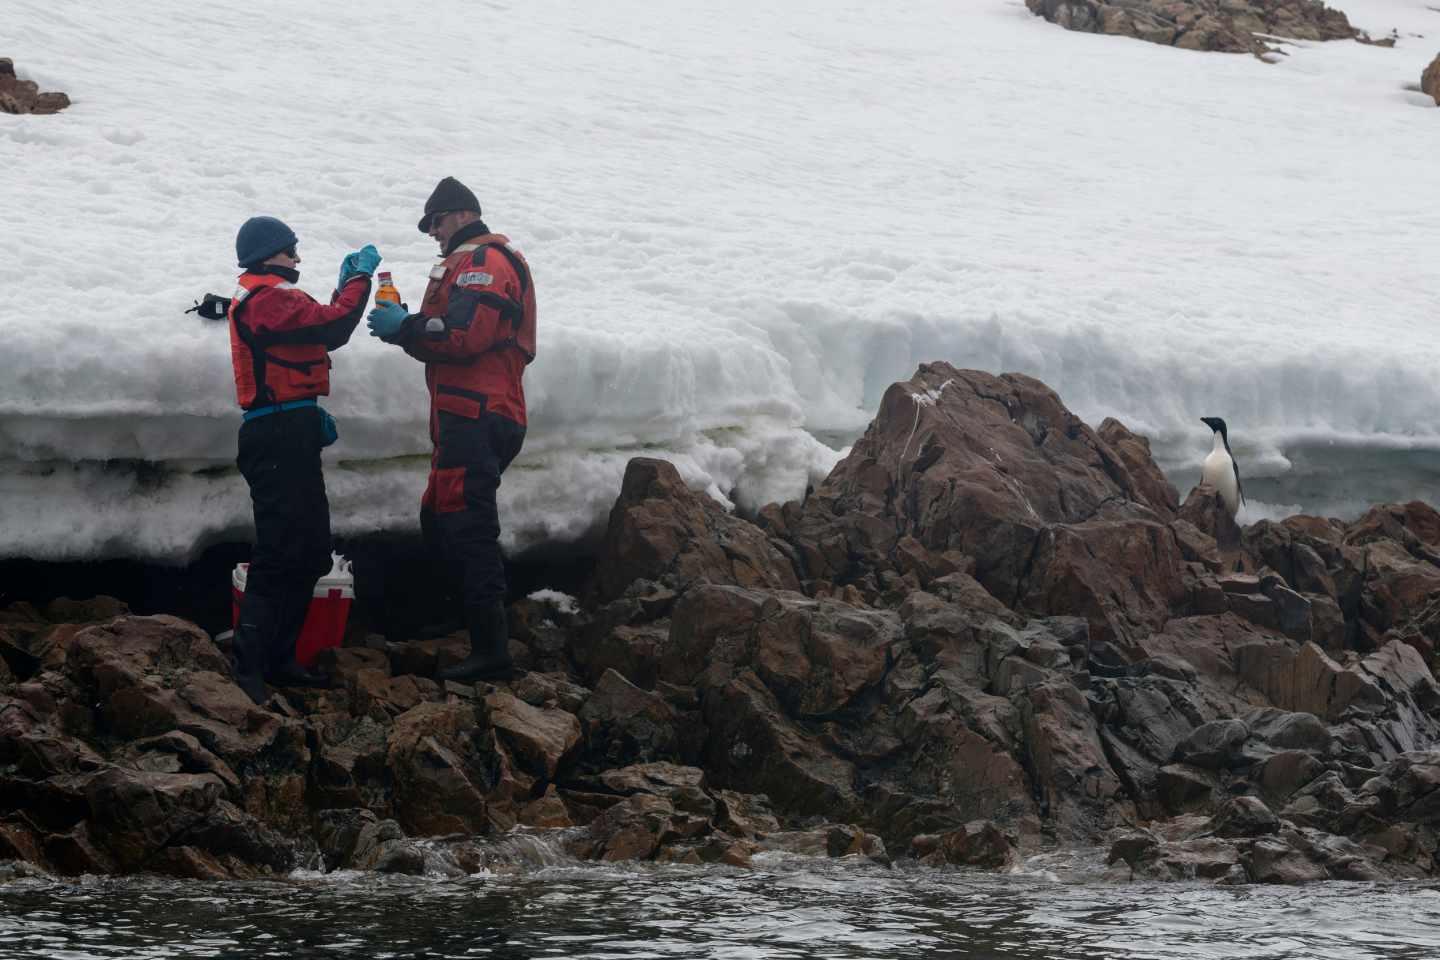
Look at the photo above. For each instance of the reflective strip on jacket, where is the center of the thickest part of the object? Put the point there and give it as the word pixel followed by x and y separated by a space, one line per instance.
pixel 280 337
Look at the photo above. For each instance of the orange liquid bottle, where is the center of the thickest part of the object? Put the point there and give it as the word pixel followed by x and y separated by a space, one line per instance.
pixel 387 292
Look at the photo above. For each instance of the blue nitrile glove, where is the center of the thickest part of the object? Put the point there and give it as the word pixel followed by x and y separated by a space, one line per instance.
pixel 386 319
pixel 364 260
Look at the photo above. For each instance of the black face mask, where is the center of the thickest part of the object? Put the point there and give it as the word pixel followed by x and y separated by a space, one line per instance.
pixel 275 270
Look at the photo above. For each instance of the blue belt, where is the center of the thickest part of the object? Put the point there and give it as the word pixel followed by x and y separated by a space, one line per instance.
pixel 277 407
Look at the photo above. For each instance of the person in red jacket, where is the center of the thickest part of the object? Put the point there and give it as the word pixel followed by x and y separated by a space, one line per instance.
pixel 280 343
pixel 475 333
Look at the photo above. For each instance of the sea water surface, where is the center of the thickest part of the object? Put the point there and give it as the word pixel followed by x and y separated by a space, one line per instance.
pixel 1056 907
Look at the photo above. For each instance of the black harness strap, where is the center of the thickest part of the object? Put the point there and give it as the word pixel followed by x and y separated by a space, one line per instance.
pixel 461 392
pixel 509 308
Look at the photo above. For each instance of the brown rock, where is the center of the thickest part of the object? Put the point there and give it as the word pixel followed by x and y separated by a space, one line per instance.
pixel 550 690
pixel 342 664
pixel 632 829
pixel 348 767
pixel 1284 773
pixel 1275 861
pixel 1215 745
pixel 188 755
pixel 711 624
pixel 661 530
pixel 539 738
pixel 1124 577
pixel 547 812
pixel 1197 546
pixel 745 814
pixel 981 843
pixel 427 759
pixel 1430 79
pixel 1231 27
pixel 1133 450
pixel 151 675
pixel 818 655
pixel 74 853
pixel 1078 788
pixel 828 840
pixel 635 651
pixel 134 813
pixel 1198 858
pixel 376 694
pixel 24 96
pixel 278 799
pixel 998 470
pixel 682 786
pixel 1184 788
pixel 623 724
pixel 1206 512
pixel 19 841
pixel 755 748
pixel 1244 817
pixel 422 658
pixel 957 749
pixel 358 840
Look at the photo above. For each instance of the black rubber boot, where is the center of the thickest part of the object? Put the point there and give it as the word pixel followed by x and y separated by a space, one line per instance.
pixel 283 669
pixel 489 657
pixel 252 639
pixel 291 674
pixel 436 631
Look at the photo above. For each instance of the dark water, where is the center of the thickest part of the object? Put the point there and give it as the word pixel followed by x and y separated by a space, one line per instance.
pixel 785 907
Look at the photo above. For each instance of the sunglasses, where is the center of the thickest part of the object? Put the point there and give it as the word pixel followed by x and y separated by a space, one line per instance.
pixel 291 253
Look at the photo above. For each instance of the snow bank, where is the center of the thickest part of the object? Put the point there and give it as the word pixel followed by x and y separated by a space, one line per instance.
pixel 744 224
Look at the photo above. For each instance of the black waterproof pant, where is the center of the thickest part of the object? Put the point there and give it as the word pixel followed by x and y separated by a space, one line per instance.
pixel 280 460
pixel 459 517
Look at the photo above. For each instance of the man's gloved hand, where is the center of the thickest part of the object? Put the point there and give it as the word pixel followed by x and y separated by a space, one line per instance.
pixel 386 319
pixel 364 260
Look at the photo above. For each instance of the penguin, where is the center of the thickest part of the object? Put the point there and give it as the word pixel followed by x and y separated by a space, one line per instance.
pixel 1220 470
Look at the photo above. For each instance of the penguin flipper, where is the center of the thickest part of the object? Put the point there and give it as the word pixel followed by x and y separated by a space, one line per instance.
pixel 1239 487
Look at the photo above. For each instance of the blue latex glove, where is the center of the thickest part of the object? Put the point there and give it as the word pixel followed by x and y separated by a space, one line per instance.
pixel 386 319
pixel 364 260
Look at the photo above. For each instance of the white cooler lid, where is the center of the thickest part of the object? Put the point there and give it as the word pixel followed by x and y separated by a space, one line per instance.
pixel 339 578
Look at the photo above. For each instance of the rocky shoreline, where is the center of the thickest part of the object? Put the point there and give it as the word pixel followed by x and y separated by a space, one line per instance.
pixel 992 629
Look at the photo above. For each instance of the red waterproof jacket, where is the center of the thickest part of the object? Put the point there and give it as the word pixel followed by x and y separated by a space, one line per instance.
pixel 483 293
pixel 280 337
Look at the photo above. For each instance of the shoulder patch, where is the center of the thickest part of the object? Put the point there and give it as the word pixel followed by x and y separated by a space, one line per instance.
pixel 474 278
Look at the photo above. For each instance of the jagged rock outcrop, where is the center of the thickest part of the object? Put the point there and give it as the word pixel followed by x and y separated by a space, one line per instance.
pixel 990 628
pixel 962 469
pixel 1230 26
pixel 661 530
pixel 25 96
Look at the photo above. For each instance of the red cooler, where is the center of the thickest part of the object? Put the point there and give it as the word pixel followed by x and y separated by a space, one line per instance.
pixel 329 608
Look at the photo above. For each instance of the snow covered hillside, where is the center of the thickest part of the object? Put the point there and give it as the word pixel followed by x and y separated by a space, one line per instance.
pixel 745 220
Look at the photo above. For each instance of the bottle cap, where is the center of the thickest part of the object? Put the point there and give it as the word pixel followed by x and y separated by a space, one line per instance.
pixel 384 276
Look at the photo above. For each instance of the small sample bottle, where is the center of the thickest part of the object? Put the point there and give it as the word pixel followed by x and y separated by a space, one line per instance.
pixel 387 292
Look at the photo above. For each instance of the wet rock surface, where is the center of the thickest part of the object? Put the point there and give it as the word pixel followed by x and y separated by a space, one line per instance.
pixel 991 629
